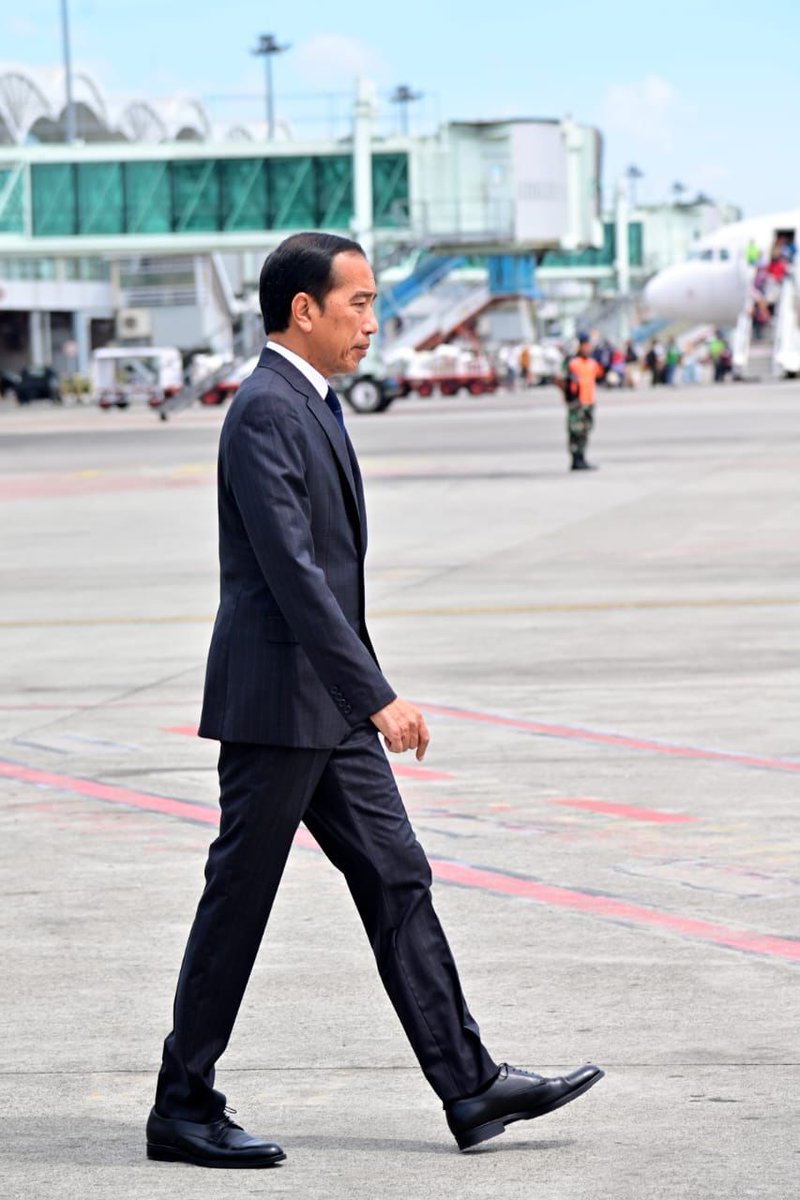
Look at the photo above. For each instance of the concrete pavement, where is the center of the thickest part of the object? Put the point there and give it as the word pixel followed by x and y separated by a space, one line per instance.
pixel 609 663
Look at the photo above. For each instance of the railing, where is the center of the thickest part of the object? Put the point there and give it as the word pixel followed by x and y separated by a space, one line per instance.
pixel 786 349
pixel 430 272
pixel 463 221
pixel 742 336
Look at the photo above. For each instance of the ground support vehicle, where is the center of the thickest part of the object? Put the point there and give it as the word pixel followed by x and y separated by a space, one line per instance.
pixel 149 375
pixel 369 391
pixel 477 382
pixel 34 383
pixel 222 385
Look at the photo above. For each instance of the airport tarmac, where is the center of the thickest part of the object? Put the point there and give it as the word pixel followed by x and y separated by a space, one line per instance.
pixel 609 662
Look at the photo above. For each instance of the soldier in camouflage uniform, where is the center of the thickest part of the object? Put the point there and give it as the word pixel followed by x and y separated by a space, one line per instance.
pixel 579 383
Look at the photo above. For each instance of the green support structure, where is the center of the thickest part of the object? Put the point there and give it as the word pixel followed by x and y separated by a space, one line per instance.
pixel 605 255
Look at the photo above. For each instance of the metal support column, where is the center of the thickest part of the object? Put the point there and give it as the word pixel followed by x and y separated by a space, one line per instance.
pixel 622 257
pixel 364 113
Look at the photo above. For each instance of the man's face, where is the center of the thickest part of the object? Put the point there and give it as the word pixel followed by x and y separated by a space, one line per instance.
pixel 340 331
pixel 584 348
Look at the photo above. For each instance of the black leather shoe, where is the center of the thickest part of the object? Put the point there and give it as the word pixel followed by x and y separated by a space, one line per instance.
pixel 514 1095
pixel 220 1143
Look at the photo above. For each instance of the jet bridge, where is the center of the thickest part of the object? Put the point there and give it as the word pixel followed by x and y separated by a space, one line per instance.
pixel 496 187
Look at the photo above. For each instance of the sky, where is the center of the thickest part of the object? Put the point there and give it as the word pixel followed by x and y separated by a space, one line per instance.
pixel 693 92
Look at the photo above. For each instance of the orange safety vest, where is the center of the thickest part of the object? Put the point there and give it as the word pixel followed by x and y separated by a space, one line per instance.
pixel 586 371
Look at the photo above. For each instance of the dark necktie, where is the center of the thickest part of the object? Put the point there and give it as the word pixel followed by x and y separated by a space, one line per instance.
pixel 332 401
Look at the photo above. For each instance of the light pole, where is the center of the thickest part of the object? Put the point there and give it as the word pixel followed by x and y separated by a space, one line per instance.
pixel 70 131
pixel 634 174
pixel 402 96
pixel 267 48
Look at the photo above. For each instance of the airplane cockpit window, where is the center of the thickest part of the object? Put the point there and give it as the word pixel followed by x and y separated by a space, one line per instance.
pixel 724 254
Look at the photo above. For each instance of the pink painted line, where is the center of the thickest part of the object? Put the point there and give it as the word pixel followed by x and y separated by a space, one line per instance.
pixel 445 871
pixel 42 488
pixel 630 811
pixel 410 771
pixel 575 733
pixel 401 770
pixel 186 809
pixel 614 910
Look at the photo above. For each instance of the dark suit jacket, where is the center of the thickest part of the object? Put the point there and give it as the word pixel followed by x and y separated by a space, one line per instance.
pixel 291 662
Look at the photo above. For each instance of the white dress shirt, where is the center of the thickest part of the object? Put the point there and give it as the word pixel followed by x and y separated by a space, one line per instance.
pixel 318 382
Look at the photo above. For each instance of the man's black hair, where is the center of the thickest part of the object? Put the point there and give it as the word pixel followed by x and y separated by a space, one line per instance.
pixel 301 263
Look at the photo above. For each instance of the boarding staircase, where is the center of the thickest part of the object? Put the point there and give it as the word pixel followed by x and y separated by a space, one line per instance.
pixel 777 352
pixel 430 271
pixel 451 308
pixel 248 343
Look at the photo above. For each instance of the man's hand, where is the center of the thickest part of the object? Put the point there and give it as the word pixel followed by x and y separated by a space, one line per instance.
pixel 403 728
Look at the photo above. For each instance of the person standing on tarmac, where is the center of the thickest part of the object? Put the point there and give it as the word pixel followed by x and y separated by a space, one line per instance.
pixel 579 384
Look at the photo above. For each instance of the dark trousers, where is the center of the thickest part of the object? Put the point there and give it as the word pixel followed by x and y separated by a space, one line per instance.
pixel 348 800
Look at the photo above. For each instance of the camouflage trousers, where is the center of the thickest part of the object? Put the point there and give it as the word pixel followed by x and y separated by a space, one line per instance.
pixel 580 421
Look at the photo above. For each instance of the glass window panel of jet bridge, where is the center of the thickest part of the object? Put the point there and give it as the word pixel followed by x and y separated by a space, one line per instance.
pixel 292 193
pixel 54 199
pixel 100 198
pixel 636 243
pixel 196 196
pixel 148 202
pixel 390 190
pixel 12 193
pixel 334 191
pixel 245 198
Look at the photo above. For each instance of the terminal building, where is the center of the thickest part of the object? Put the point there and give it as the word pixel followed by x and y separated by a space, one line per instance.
pixel 151 226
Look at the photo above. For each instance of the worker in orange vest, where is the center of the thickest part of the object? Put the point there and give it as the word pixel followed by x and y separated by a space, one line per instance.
pixel 579 384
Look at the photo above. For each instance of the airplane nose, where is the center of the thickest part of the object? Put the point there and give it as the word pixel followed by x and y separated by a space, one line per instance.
pixel 663 293
pixel 712 292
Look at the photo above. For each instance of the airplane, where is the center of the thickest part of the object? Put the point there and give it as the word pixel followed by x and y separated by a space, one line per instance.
pixel 715 286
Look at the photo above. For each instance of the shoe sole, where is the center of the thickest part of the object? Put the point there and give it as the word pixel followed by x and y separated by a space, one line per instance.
pixel 482 1133
pixel 173 1154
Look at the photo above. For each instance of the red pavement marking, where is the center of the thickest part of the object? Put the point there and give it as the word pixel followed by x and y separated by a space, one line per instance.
pixel 444 870
pixel 577 734
pixel 403 771
pixel 623 810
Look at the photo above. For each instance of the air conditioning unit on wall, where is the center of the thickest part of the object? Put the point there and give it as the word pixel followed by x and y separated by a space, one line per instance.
pixel 134 324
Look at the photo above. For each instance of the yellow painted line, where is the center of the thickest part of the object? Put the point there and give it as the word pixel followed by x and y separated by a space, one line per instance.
pixel 195 468
pixel 449 611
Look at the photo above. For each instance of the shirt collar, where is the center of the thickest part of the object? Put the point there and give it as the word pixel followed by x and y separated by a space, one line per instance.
pixel 317 381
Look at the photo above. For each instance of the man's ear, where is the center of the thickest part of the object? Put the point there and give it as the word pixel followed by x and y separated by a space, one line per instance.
pixel 302 306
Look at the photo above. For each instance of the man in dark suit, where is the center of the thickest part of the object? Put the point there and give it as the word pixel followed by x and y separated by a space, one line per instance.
pixel 296 697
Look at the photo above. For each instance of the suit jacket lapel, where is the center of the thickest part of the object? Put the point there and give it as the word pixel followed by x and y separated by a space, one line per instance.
pixel 276 362
pixel 334 434
pixel 362 507
pixel 340 445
